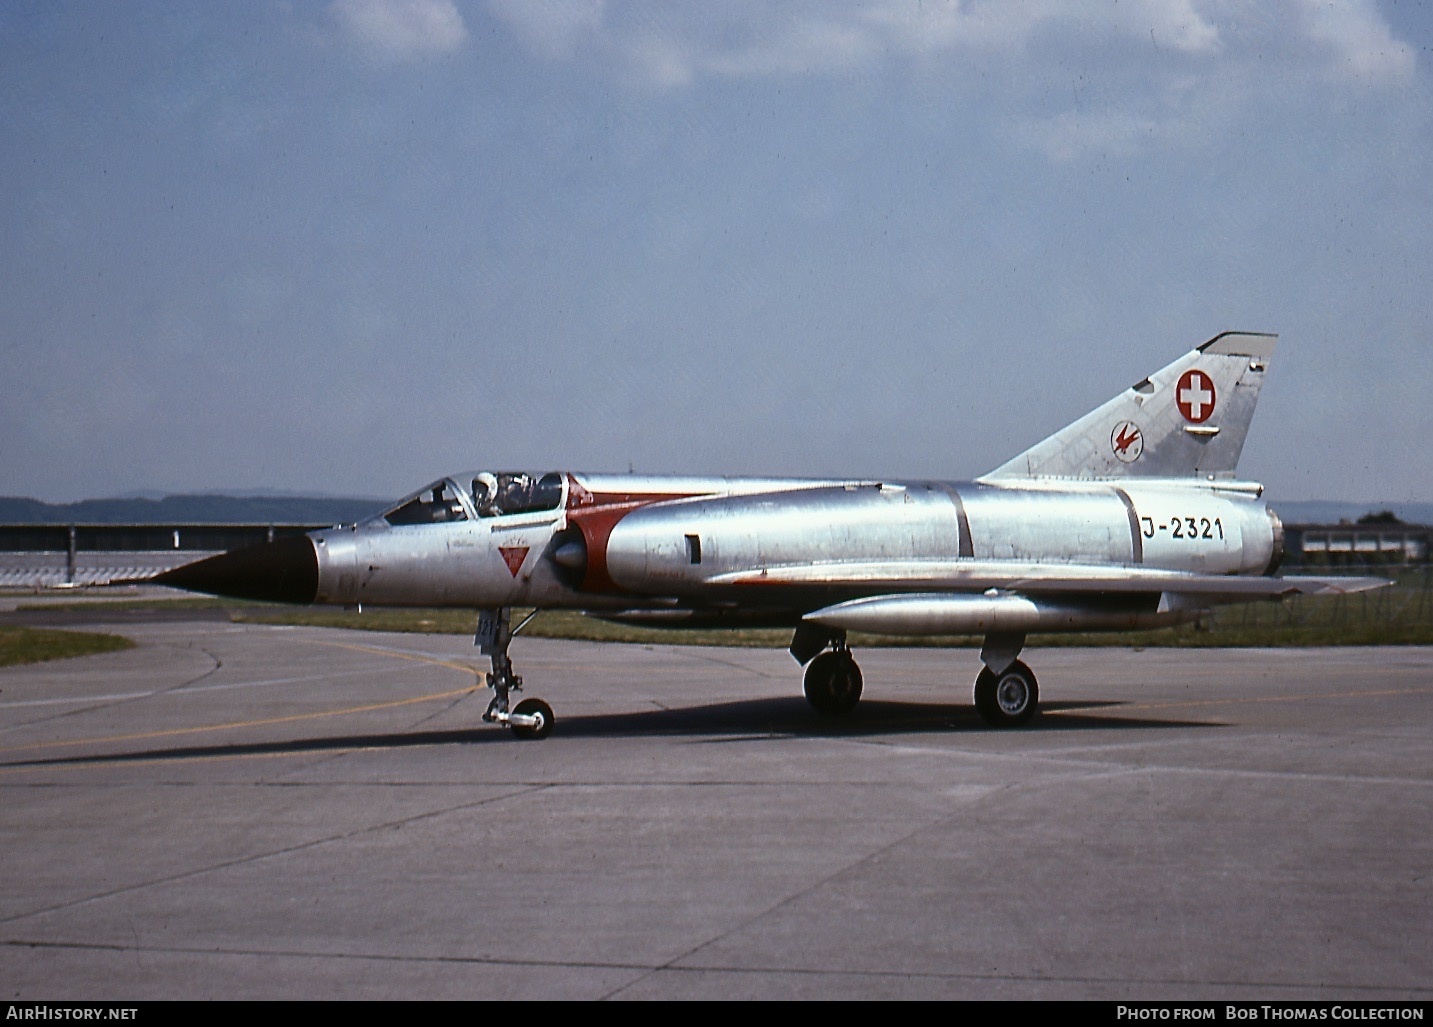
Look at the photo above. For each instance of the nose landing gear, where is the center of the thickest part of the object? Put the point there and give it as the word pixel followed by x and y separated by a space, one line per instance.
pixel 531 718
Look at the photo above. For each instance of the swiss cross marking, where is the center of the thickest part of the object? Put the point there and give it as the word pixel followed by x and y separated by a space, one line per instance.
pixel 1194 395
pixel 513 556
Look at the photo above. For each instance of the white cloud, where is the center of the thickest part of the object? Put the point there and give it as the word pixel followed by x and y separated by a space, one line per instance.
pixel 754 38
pixel 401 29
pixel 1360 43
pixel 1073 134
pixel 1167 23
pixel 553 28
pixel 1071 77
pixel 672 45
pixel 810 44
pixel 995 26
pixel 659 60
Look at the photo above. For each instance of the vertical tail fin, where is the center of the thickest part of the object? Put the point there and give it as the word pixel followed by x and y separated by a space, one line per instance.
pixel 1187 420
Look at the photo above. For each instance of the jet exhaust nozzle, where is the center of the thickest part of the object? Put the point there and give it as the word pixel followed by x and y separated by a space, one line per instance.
pixel 283 571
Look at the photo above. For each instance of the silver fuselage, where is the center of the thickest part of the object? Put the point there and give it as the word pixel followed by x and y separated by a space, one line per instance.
pixel 621 542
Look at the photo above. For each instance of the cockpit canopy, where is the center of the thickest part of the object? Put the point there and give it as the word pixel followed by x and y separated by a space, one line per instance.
pixel 515 492
pixel 479 494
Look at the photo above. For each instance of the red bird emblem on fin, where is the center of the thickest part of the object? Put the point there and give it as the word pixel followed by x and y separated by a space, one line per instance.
pixel 1127 441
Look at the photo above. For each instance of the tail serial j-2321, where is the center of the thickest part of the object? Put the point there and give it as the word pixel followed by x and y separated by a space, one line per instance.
pixel 1129 518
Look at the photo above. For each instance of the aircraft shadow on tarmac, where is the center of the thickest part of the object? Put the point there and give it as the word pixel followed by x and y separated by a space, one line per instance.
pixel 748 720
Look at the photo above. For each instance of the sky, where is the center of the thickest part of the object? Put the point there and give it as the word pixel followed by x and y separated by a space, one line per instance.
pixel 348 247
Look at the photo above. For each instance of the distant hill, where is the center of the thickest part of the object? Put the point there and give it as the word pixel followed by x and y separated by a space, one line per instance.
pixel 1318 511
pixel 195 509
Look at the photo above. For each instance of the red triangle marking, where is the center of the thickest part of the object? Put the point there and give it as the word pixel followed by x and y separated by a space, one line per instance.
pixel 513 556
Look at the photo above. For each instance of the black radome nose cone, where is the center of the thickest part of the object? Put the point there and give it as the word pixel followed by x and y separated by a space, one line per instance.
pixel 285 571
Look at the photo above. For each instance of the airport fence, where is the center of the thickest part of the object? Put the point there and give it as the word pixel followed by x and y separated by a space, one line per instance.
pixel 1400 613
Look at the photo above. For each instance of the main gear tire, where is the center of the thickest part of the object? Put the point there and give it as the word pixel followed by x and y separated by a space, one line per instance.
pixel 833 684
pixel 1007 699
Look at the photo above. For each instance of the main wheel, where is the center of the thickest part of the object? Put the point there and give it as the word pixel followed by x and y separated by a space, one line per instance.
pixel 533 708
pixel 1009 698
pixel 833 683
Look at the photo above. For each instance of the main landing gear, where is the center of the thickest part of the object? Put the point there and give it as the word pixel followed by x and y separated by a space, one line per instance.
pixel 832 682
pixel 531 718
pixel 1006 692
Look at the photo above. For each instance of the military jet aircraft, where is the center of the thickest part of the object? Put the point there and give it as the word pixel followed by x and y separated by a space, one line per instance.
pixel 1131 517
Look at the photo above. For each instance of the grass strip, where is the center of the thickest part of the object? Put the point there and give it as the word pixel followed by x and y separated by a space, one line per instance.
pixel 36 645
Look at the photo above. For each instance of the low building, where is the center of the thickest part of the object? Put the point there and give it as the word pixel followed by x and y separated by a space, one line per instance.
pixel 1355 545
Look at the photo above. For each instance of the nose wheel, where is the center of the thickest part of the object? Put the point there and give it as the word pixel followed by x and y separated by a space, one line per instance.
pixel 529 719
